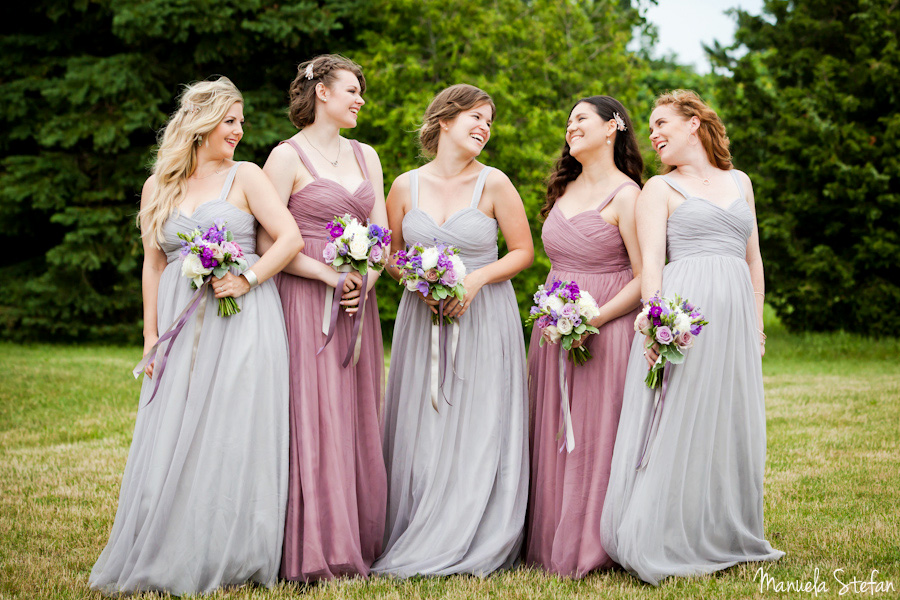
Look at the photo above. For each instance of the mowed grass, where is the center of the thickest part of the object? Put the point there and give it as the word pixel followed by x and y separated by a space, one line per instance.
pixel 832 482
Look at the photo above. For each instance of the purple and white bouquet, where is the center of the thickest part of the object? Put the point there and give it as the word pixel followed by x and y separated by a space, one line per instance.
pixel 673 324
pixel 563 312
pixel 363 247
pixel 213 251
pixel 436 270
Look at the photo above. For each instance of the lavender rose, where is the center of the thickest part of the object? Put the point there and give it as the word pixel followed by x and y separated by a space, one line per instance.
pixel 642 324
pixel 684 340
pixel 664 335
pixel 330 252
pixel 432 275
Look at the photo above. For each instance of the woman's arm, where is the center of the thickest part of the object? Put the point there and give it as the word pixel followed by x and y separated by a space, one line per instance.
pixel 629 297
pixel 651 214
pixel 754 261
pixel 154 264
pixel 510 215
pixel 280 167
pixel 397 205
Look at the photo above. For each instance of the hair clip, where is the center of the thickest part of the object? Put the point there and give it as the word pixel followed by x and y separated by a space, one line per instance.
pixel 620 122
pixel 190 107
pixel 309 71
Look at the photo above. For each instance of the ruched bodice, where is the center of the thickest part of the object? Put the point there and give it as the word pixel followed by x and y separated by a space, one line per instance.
pixel 586 242
pixel 318 203
pixel 240 223
pixel 470 230
pixel 700 228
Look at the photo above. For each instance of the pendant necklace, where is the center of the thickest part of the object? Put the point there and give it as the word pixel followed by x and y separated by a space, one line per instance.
pixel 704 180
pixel 334 162
pixel 216 172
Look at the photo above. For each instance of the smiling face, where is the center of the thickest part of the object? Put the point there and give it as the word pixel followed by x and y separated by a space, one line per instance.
pixel 342 99
pixel 586 130
pixel 470 129
pixel 225 137
pixel 670 134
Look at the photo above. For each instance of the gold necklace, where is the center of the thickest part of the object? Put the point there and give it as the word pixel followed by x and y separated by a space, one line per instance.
pixel 216 172
pixel 704 180
pixel 334 162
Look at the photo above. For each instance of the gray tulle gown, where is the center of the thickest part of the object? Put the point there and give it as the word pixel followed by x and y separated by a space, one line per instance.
pixel 458 479
pixel 697 507
pixel 203 495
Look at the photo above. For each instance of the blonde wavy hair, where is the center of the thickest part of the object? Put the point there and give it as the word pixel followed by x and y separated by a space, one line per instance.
pixel 711 132
pixel 201 107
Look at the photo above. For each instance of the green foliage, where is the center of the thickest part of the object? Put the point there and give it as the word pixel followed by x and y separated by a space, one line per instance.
pixel 813 118
pixel 86 85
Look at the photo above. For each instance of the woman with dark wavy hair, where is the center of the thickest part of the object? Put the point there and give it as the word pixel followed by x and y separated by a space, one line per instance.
pixel 590 237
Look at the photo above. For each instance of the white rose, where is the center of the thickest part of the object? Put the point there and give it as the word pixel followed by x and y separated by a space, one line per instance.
pixel 682 322
pixel 192 268
pixel 358 247
pixel 588 306
pixel 354 229
pixel 552 334
pixel 411 285
pixel 555 303
pixel 218 252
pixel 458 267
pixel 429 258
pixel 564 326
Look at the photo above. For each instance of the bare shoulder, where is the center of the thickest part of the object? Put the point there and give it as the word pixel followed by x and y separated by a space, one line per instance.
pixel 248 171
pixel 629 194
pixel 148 188
pixel 498 182
pixel 656 186
pixel 283 154
pixel 368 151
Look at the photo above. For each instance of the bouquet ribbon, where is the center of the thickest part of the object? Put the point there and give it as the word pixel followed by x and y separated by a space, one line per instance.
pixel 197 302
pixel 658 401
pixel 443 345
pixel 566 413
pixel 329 317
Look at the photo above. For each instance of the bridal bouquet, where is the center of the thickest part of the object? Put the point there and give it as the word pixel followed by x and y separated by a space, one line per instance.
pixel 673 324
pixel 213 251
pixel 562 311
pixel 362 247
pixel 436 270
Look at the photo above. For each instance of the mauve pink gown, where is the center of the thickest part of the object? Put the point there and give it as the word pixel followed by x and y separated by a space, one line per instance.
pixel 337 492
pixel 567 490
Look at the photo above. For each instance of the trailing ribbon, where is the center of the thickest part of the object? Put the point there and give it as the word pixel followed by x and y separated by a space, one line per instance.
pixel 440 353
pixel 197 301
pixel 328 327
pixel 353 348
pixel 566 413
pixel 658 401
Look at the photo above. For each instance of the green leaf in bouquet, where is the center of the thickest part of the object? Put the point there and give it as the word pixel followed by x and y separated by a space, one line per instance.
pixel 363 267
pixel 580 329
pixel 567 342
pixel 672 354
pixel 242 264
pixel 229 237
pixel 220 271
pixel 439 293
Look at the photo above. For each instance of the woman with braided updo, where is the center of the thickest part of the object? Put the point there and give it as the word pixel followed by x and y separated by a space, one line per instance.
pixel 337 493
pixel 202 500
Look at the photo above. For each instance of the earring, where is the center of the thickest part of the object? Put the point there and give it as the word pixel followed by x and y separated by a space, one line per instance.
pixel 199 141
pixel 608 143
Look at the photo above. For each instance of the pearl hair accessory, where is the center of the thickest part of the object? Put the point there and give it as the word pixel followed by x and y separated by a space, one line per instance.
pixel 620 122
pixel 309 71
pixel 190 107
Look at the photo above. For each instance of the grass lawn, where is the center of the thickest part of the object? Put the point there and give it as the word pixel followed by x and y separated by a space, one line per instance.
pixel 832 482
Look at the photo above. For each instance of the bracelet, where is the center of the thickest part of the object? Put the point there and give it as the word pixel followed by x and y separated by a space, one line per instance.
pixel 764 337
pixel 251 278
pixel 760 294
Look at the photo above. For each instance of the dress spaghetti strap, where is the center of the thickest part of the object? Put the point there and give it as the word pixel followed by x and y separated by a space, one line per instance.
pixel 675 186
pixel 737 182
pixel 414 188
pixel 479 186
pixel 303 158
pixel 226 187
pixel 614 192
pixel 357 151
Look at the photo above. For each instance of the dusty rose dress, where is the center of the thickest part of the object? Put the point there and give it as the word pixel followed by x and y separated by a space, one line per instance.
pixel 567 490
pixel 338 489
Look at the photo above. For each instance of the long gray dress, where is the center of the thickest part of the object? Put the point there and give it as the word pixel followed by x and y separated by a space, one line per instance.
pixel 458 479
pixel 203 495
pixel 697 506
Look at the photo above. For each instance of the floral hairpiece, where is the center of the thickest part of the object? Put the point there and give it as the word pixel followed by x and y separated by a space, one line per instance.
pixel 190 107
pixel 309 71
pixel 620 122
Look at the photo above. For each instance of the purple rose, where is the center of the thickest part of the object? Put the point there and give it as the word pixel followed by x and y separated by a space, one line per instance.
pixel 684 340
pixel 450 279
pixel 664 335
pixel 376 254
pixel 569 311
pixel 330 252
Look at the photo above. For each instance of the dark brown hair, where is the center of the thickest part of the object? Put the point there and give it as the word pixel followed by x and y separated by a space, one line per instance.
pixel 445 107
pixel 324 68
pixel 626 154
pixel 711 132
